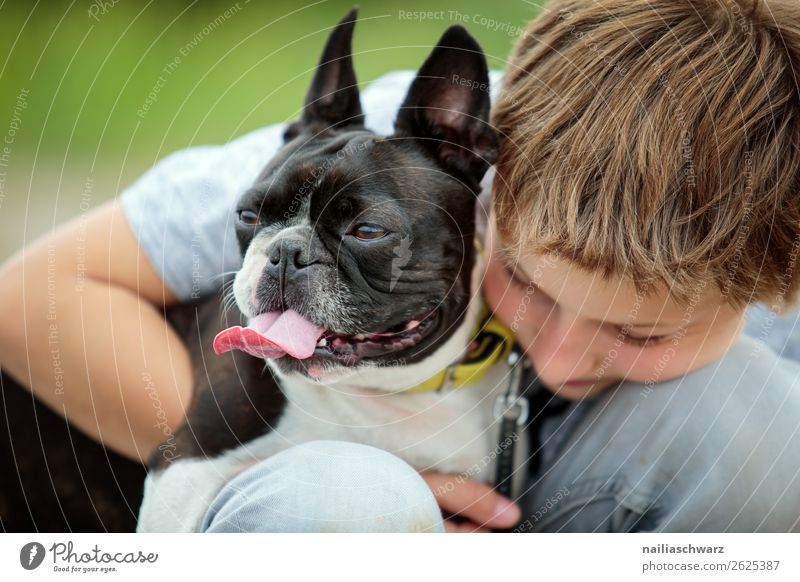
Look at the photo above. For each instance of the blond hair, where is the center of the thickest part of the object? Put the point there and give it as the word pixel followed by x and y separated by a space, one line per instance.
pixel 659 141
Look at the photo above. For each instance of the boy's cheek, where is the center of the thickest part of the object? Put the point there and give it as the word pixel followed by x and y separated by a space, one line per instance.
pixel 500 303
pixel 521 309
pixel 653 364
pixel 522 314
pixel 498 292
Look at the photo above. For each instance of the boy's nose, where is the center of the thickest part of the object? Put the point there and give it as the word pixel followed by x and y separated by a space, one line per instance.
pixel 563 350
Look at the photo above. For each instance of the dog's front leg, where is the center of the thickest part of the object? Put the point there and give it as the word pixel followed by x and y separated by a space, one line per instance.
pixel 188 470
pixel 236 400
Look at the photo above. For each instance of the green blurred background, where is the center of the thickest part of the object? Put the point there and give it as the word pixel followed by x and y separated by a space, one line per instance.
pixel 75 77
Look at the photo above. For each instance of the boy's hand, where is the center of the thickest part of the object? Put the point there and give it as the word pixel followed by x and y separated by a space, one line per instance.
pixel 478 507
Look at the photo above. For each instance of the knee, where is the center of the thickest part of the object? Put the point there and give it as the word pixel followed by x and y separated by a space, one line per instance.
pixel 326 485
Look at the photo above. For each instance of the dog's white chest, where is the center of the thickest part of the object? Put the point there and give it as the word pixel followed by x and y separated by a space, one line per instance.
pixel 452 431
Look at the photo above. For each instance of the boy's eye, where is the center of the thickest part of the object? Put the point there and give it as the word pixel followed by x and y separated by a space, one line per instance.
pixel 644 341
pixel 514 276
pixel 514 280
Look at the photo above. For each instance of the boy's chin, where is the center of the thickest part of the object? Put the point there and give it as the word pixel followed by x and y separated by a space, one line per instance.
pixel 578 391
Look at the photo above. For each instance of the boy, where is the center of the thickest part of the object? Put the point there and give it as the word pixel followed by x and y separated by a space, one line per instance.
pixel 646 192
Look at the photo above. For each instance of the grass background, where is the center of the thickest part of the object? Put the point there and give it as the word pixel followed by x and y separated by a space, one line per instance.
pixel 86 68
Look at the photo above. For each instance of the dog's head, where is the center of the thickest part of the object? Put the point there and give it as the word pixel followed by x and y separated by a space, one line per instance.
pixel 359 248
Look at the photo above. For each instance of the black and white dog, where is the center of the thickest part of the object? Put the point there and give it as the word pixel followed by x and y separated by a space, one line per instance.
pixel 360 277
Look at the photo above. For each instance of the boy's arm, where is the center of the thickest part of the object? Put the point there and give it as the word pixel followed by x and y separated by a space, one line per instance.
pixel 82 327
pixel 82 307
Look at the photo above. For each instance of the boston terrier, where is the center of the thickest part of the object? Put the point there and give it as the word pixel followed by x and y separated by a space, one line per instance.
pixel 361 289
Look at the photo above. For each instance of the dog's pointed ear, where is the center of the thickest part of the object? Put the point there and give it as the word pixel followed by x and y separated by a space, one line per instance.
pixel 447 106
pixel 333 99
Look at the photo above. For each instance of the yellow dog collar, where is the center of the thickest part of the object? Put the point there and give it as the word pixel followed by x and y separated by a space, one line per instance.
pixel 492 341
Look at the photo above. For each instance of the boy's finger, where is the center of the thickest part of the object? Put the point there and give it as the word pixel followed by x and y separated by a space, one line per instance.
pixel 472 500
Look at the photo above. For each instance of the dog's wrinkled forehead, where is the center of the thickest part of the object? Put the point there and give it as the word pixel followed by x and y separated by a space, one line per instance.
pixel 354 164
pixel 303 165
pixel 336 164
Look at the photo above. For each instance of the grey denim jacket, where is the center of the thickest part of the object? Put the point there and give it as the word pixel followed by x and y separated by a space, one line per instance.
pixel 713 451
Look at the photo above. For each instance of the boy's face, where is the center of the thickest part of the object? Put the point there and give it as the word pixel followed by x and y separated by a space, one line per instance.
pixel 584 334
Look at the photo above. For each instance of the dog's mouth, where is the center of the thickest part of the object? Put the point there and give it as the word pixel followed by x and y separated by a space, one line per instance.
pixel 354 348
pixel 277 334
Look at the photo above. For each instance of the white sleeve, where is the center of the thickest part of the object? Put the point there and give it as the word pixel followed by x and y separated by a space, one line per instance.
pixel 181 209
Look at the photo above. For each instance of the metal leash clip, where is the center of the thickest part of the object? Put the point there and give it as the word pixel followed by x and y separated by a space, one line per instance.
pixel 511 411
pixel 510 405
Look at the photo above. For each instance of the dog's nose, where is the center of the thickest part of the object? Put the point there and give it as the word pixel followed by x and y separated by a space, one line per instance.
pixel 287 256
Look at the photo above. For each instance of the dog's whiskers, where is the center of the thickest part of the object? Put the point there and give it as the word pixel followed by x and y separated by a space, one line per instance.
pixel 223 274
pixel 228 300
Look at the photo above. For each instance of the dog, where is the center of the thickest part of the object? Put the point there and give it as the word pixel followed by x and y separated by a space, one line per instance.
pixel 360 276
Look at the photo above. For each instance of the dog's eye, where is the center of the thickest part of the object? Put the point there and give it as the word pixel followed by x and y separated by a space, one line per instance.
pixel 368 231
pixel 248 217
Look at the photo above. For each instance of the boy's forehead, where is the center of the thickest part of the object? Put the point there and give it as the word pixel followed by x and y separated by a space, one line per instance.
pixel 614 300
pixel 590 296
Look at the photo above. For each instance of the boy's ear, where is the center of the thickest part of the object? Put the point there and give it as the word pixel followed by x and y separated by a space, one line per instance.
pixel 447 106
pixel 332 100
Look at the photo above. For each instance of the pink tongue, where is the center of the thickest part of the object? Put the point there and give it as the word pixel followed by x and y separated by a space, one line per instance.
pixel 272 335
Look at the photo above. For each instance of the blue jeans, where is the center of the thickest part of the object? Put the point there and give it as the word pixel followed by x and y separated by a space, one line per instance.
pixel 326 486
